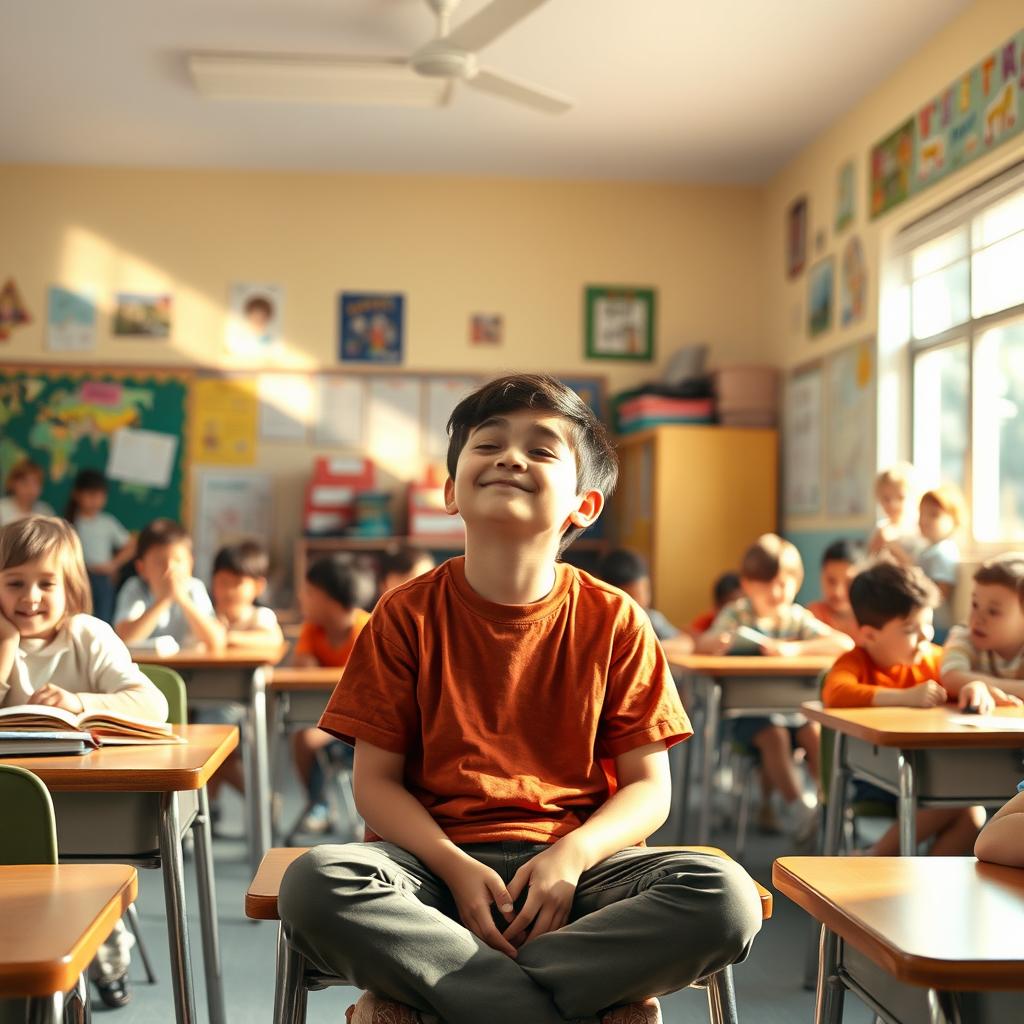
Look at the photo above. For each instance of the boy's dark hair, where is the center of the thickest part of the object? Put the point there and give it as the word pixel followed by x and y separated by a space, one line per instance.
pixel 1006 570
pixel 85 480
pixel 158 533
pixel 768 556
pixel 844 550
pixel 622 567
pixel 597 466
pixel 247 558
pixel 21 469
pixel 889 591
pixel 726 585
pixel 341 581
pixel 402 560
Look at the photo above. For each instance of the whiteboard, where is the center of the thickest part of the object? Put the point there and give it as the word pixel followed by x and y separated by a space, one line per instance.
pixel 850 434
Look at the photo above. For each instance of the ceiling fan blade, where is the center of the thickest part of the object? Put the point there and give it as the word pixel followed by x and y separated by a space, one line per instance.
pixel 520 92
pixel 310 79
pixel 486 25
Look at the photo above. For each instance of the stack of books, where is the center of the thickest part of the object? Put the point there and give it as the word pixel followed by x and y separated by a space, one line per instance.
pixel 36 729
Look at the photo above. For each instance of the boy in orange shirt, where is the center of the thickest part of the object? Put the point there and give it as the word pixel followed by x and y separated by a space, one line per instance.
pixel 511 716
pixel 838 567
pixel 896 664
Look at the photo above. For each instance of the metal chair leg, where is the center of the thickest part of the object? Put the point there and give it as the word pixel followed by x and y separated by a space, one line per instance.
pixel 942 1008
pixel 76 1003
pixel 722 998
pixel 131 916
pixel 289 987
pixel 828 1002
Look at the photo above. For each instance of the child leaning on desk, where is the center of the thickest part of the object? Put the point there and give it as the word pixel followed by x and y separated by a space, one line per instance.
pixel 771 573
pixel 511 715
pixel 895 664
pixel 53 652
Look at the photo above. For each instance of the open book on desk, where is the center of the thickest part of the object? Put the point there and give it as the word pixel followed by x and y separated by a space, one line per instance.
pixel 104 728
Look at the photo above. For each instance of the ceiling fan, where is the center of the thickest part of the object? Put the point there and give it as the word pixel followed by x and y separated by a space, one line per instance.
pixel 427 77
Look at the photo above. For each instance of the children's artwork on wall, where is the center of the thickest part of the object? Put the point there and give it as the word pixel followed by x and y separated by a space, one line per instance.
pixel 796 237
pixel 619 322
pixel 71 321
pixel 853 283
pixel 820 289
pixel 224 421
pixel 371 327
pixel 142 315
pixel 850 411
pixel 846 196
pixel 254 320
pixel 801 448
pixel 12 310
pixel 979 111
pixel 486 329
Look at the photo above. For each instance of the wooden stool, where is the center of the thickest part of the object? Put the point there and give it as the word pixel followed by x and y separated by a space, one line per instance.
pixel 53 919
pixel 892 926
pixel 296 976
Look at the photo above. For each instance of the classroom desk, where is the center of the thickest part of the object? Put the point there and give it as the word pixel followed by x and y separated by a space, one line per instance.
pixel 919 755
pixel 53 919
pixel 236 675
pixel 133 804
pixel 734 685
pixel 949 925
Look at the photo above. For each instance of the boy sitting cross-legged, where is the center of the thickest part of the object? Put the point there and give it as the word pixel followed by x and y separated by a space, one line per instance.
pixel 896 664
pixel 511 715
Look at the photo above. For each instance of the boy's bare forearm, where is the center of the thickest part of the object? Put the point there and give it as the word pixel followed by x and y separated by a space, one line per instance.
pixel 1002 839
pixel 132 631
pixel 208 630
pixel 836 643
pixel 954 682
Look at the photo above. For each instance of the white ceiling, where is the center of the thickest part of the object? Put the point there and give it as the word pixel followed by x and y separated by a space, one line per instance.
pixel 684 90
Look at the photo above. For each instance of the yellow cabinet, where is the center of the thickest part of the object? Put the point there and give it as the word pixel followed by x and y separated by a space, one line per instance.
pixel 690 500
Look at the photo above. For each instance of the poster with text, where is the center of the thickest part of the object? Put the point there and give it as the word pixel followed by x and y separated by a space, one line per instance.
pixel 371 327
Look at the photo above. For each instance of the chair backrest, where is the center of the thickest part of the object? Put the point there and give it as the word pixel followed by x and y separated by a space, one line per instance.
pixel 172 686
pixel 29 833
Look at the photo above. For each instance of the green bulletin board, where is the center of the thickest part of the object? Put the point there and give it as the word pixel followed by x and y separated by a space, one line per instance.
pixel 64 420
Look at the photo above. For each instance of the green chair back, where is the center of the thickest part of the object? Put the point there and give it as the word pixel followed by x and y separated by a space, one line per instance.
pixel 172 686
pixel 29 833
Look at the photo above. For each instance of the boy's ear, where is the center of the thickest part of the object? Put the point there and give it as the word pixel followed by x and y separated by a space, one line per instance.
pixel 587 510
pixel 866 635
pixel 449 497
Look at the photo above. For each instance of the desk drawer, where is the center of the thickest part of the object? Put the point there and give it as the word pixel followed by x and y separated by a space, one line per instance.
pixel 219 684
pixel 766 693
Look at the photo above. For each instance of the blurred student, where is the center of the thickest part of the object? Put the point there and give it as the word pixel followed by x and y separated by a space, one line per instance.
pixel 239 580
pixel 726 590
pixel 402 564
pixel 839 565
pixel 894 494
pixel 24 485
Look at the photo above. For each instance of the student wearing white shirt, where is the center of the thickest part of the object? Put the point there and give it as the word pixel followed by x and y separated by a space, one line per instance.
pixel 24 485
pixel 106 544
pixel 52 652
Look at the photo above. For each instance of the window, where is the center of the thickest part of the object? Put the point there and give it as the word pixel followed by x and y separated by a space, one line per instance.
pixel 963 271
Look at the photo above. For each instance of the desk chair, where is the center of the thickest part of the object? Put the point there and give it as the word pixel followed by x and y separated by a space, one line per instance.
pixel 296 976
pixel 30 837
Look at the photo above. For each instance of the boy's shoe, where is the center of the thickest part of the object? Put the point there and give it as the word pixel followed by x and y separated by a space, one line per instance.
pixel 803 821
pixel 647 1012
pixel 115 992
pixel 316 821
pixel 371 1009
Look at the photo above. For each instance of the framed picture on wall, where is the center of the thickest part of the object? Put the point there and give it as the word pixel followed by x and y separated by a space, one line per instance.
pixel 619 322
pixel 796 237
pixel 821 296
pixel 371 327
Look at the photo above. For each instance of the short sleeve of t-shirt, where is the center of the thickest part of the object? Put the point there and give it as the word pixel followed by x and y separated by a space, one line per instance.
pixel 663 629
pixel 132 600
pixel 958 652
pixel 939 562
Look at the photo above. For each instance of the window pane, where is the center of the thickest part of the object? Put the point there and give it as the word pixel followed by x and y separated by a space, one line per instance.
pixel 940 415
pixel 999 434
pixel 939 253
pixel 997 276
pixel 940 300
pixel 999 221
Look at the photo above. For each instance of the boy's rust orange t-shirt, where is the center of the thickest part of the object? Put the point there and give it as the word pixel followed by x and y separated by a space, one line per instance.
pixel 313 640
pixel 853 680
pixel 505 712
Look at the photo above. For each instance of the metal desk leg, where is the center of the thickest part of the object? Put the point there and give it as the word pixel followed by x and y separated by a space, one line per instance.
pixel 828 1000
pixel 907 804
pixel 836 799
pixel 208 912
pixel 174 899
pixel 259 783
pixel 712 704
pixel 289 989
pixel 46 1009
pixel 942 1008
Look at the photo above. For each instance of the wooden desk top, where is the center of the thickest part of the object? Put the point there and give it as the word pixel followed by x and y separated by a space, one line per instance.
pixel 945 922
pixel 719 665
pixel 199 658
pixel 261 896
pixel 142 769
pixel 311 678
pixel 53 918
pixel 911 728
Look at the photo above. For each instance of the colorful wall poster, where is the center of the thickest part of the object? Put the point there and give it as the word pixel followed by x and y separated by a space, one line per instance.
pixel 850 412
pixel 254 320
pixel 796 237
pixel 71 321
pixel 846 196
pixel 142 315
pixel 970 117
pixel 801 449
pixel 371 327
pixel 12 309
pixel 224 421
pixel 820 296
pixel 853 283
pixel 486 329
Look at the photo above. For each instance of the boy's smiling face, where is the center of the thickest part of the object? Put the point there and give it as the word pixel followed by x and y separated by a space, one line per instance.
pixel 997 620
pixel 518 470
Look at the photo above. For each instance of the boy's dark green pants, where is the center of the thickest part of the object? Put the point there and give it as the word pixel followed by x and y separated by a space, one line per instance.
pixel 644 922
